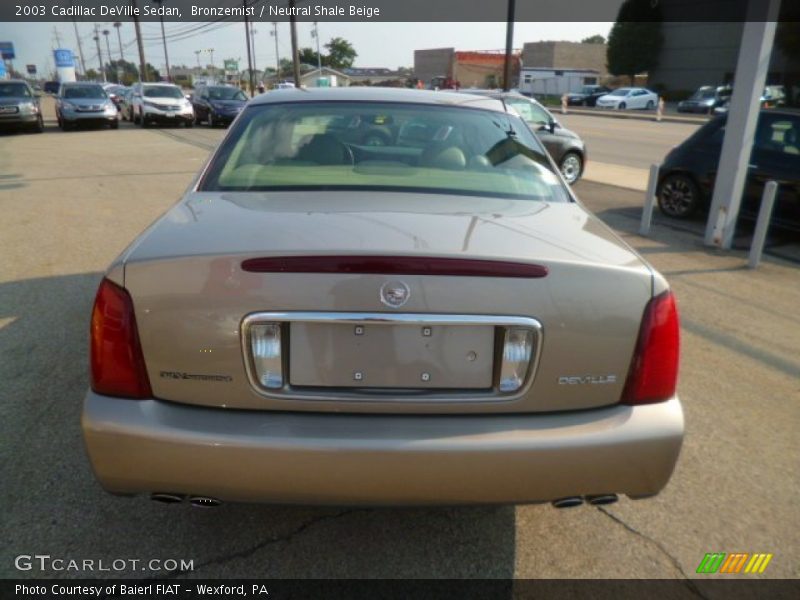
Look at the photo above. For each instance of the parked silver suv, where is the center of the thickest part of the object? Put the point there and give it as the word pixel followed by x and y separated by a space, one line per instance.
pixel 19 106
pixel 160 103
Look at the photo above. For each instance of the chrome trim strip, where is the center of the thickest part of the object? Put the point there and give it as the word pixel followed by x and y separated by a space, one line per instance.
pixel 290 393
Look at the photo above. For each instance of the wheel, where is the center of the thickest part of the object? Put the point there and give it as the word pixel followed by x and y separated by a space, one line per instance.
pixel 197 119
pixel 188 124
pixel 622 106
pixel 650 105
pixel 114 124
pixel 678 196
pixel 571 167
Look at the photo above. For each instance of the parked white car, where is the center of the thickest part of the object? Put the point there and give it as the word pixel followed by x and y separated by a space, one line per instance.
pixel 160 103
pixel 632 97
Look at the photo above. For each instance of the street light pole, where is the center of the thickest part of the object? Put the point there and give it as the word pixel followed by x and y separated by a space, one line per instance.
pixel 99 52
pixel 315 33
pixel 118 26
pixel 274 33
pixel 249 54
pixel 164 38
pixel 211 54
pixel 80 47
pixel 108 47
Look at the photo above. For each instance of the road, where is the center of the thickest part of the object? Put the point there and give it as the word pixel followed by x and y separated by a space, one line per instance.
pixel 72 201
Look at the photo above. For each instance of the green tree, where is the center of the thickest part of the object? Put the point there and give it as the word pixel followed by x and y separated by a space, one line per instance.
pixel 635 41
pixel 309 56
pixel 122 71
pixel 152 73
pixel 787 38
pixel 92 75
pixel 594 39
pixel 341 53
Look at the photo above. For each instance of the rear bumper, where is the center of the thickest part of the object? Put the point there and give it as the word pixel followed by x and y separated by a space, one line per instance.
pixel 141 446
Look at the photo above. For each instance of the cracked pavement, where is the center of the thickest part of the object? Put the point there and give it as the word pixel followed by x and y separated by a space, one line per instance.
pixel 71 202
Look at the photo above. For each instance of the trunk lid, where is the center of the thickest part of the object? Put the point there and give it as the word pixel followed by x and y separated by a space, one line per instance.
pixel 191 295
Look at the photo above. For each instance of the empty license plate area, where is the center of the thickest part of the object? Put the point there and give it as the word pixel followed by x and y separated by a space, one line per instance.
pixel 391 355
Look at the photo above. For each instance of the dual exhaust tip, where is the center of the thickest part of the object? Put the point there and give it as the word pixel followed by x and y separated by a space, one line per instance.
pixel 595 500
pixel 198 501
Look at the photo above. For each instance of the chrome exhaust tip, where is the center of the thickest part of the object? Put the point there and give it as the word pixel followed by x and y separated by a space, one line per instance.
pixel 569 502
pixel 204 501
pixel 166 498
pixel 601 499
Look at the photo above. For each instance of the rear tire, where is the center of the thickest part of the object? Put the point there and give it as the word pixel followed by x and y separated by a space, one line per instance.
pixel 188 123
pixel 622 106
pixel 678 196
pixel 650 105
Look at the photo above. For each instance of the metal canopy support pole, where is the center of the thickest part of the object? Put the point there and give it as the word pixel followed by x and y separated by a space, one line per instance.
pixel 509 46
pixel 751 74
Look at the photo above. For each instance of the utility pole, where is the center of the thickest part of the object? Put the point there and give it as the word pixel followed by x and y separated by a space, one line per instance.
pixel 80 47
pixel 274 33
pixel 249 54
pixel 57 36
pixel 99 52
pixel 164 39
pixel 197 54
pixel 108 48
pixel 139 44
pixel 118 26
pixel 295 56
pixel 509 46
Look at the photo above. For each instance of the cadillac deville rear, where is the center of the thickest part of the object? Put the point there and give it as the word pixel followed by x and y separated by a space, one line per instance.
pixel 436 320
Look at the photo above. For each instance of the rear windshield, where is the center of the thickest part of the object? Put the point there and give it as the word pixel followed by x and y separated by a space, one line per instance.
pixel 383 146
pixel 620 92
pixel 84 91
pixel 14 90
pixel 162 91
pixel 226 93
pixel 704 93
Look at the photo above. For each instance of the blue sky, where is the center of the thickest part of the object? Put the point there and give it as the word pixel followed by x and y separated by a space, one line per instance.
pixel 388 45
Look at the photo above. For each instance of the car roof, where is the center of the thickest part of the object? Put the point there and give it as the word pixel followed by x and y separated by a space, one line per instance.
pixel 378 94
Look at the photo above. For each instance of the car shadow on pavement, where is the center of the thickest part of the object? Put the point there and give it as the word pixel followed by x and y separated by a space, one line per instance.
pixel 53 505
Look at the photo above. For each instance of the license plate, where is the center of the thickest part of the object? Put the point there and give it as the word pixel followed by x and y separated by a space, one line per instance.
pixel 169 114
pixel 8 109
pixel 407 356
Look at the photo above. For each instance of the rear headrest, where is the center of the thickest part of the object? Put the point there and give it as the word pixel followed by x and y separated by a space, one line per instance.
pixel 443 157
pixel 325 149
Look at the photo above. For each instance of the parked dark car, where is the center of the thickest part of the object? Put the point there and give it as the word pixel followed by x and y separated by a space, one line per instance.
pixel 587 96
pixel 217 104
pixel 51 87
pixel 19 107
pixel 566 147
pixel 687 175
pixel 705 99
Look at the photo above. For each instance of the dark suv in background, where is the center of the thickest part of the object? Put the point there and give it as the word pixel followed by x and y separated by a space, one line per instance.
pixel 587 96
pixel 686 180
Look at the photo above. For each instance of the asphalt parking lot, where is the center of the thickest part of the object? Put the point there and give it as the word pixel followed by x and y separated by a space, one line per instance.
pixel 70 202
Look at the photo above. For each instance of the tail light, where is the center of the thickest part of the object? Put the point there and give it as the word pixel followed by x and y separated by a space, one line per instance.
pixel 653 373
pixel 117 364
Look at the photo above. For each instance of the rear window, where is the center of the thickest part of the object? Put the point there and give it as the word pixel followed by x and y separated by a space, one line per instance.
pixel 226 93
pixel 84 91
pixel 383 146
pixel 162 91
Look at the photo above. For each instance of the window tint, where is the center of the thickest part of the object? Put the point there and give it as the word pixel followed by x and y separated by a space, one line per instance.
pixel 162 91
pixel 84 91
pixel 14 90
pixel 424 148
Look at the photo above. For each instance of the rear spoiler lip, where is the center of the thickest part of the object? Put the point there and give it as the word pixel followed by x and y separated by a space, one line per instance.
pixel 395 265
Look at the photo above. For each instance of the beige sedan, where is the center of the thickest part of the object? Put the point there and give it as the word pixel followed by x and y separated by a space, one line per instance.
pixel 432 320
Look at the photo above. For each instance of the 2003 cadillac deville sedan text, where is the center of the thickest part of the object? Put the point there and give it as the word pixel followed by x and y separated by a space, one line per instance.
pixel 434 319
